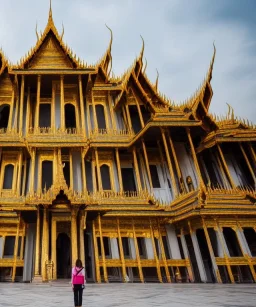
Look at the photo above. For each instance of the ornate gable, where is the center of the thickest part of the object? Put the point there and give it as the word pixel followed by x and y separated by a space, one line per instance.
pixel 50 56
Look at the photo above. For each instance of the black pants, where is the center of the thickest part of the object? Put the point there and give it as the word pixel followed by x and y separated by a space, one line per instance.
pixel 78 295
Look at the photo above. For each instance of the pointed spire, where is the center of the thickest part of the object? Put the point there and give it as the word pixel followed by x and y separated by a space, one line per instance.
pixel 62 34
pixel 142 48
pixel 156 85
pixel 209 75
pixel 37 35
pixel 50 11
pixel 111 38
pixel 144 70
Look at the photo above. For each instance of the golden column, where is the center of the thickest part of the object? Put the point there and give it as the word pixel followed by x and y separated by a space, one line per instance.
pixel 11 109
pixel 21 103
pixel 177 166
pixel 83 171
pixel 136 167
pixel 62 102
pixel 223 244
pixel 252 154
pixel 45 244
pixel 16 249
pixel 37 253
pixel 147 164
pixel 28 112
pixel 53 249
pixel 74 234
pixel 105 273
pixel 174 187
pixel 199 175
pixel 81 103
pixel 53 126
pixel 18 188
pixel 137 252
pixel 121 250
pixel 163 252
pixel 37 102
pixel 158 269
pixel 248 163
pixel 120 179
pixel 96 253
pixel 209 243
pixel 98 169
pixel 81 236
pixel 32 178
pixel 140 115
pixel 226 167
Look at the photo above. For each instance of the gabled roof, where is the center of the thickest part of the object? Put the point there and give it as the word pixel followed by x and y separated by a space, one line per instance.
pixel 52 40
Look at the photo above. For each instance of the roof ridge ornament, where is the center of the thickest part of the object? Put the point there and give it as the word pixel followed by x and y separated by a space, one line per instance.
pixel 50 10
pixel 37 35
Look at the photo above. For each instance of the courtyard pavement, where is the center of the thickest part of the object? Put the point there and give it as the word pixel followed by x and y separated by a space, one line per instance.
pixel 132 295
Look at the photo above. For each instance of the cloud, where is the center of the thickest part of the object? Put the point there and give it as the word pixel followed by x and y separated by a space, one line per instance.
pixel 178 41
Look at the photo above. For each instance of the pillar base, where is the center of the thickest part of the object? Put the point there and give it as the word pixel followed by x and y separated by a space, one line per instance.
pixel 37 279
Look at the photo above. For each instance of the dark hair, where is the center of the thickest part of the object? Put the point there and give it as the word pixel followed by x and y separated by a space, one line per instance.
pixel 79 263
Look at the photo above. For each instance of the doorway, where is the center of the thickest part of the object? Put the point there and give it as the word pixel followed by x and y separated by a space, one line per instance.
pixel 63 256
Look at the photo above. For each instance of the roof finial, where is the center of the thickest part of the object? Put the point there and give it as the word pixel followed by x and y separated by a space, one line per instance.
pixel 111 37
pixel 109 51
pixel 144 70
pixel 156 85
pixel 50 10
pixel 62 32
pixel 142 49
pixel 37 35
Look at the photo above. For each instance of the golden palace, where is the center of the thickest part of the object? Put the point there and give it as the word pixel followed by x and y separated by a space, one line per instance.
pixel 109 170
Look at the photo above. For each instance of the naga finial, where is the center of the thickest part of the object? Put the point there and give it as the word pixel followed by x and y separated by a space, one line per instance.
pixel 143 47
pixel 156 85
pixel 146 64
pixel 109 51
pixel 37 35
pixel 62 34
pixel 111 36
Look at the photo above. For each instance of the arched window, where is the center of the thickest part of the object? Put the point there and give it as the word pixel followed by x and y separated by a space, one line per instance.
pixel 8 176
pixel 4 115
pixel 105 177
pixel 46 174
pixel 100 116
pixel 45 115
pixel 70 116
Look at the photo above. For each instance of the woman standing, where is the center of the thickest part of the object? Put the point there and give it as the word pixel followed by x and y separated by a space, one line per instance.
pixel 78 281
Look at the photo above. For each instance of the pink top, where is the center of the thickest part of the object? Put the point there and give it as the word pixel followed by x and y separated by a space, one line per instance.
pixel 77 278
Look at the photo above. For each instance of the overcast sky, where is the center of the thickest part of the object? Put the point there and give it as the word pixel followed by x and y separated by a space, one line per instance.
pixel 178 38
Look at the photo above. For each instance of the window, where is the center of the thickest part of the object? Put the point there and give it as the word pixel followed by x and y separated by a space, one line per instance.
pixel 128 179
pixel 4 115
pixel 141 247
pixel 66 172
pixel 8 176
pixel 47 174
pixel 70 116
pixel 88 171
pixel 100 116
pixel 126 249
pixel 105 177
pixel 136 124
pixel 154 176
pixel 9 246
pixel 45 115
pixel 106 246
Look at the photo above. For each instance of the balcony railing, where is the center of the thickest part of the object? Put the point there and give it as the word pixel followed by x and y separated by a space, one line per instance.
pixel 111 134
pixel 52 131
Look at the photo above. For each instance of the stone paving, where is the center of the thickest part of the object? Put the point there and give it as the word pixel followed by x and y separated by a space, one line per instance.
pixel 132 295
